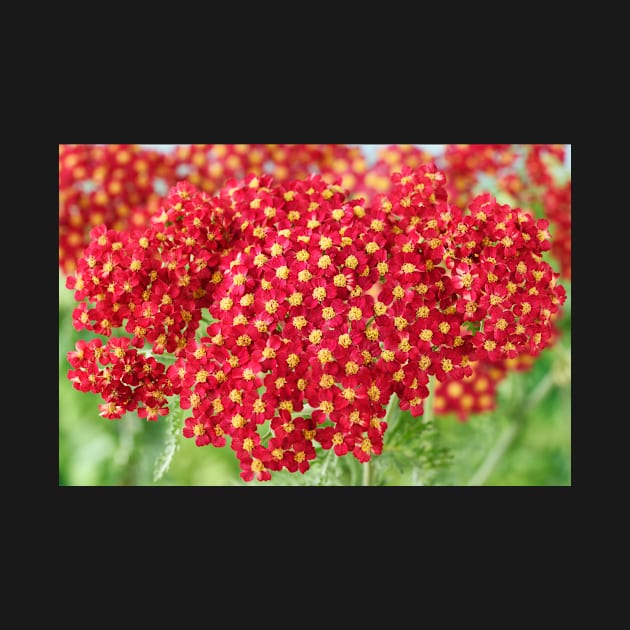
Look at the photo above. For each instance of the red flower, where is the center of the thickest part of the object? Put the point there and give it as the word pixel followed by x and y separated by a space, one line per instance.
pixel 152 412
pixel 111 410
pixel 341 442
pixel 194 427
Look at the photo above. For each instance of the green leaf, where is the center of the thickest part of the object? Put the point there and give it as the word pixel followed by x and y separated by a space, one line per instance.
pixel 171 444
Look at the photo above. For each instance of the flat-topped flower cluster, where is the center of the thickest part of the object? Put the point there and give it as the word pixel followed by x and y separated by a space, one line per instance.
pixel 293 314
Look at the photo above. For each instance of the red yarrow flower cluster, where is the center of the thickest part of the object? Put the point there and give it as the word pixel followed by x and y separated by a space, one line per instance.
pixel 126 379
pixel 321 307
pixel 529 176
pixel 526 174
pixel 291 332
pixel 452 273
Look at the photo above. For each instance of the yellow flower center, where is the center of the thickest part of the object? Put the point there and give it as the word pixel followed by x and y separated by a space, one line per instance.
pixel 426 334
pixel 319 293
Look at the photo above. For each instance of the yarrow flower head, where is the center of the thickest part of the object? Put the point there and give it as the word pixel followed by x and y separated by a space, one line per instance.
pixel 321 307
pixel 527 175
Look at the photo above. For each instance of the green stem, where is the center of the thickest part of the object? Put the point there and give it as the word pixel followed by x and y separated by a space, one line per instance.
pixel 367 478
pixel 542 389
pixel 487 466
pixel 390 411
pixel 126 455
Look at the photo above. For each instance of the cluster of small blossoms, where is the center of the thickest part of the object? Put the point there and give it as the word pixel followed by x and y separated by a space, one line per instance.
pixel 115 185
pixel 452 273
pixel 292 347
pixel 463 164
pixel 322 307
pixel 526 174
pixel 152 282
pixel 523 174
pixel 126 379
